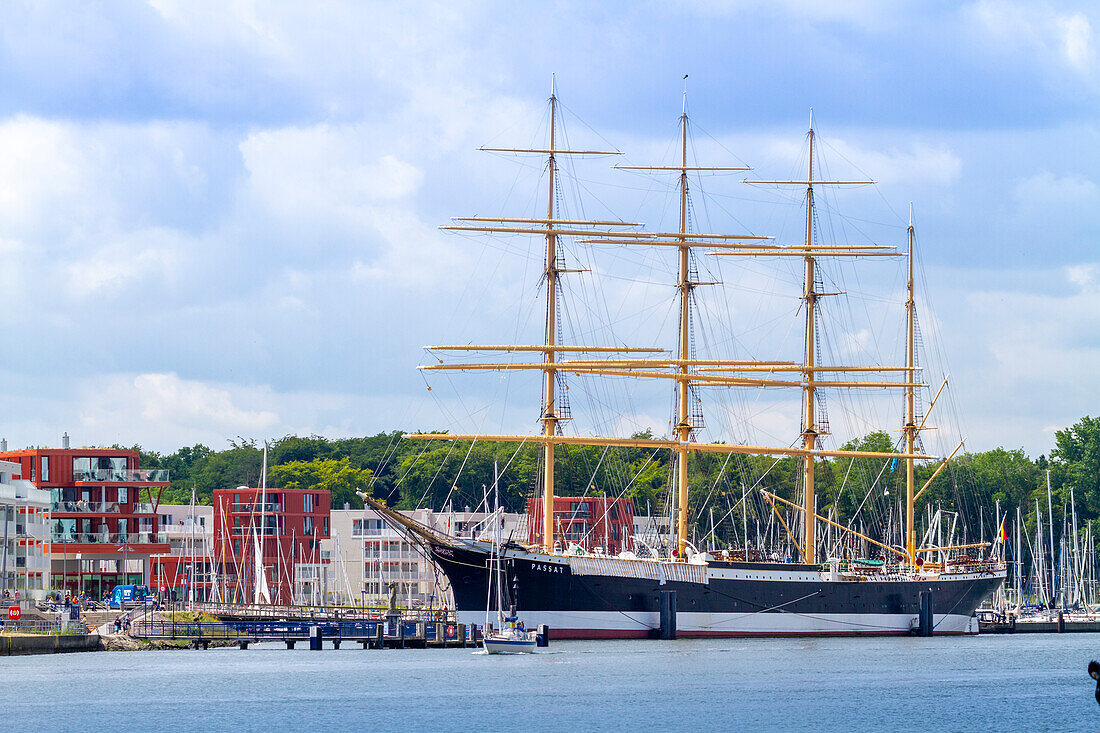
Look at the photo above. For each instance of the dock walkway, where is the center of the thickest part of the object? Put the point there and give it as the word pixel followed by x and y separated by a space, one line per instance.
pixel 370 633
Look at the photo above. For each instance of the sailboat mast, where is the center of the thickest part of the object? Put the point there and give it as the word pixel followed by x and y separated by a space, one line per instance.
pixel 910 413
pixel 683 426
pixel 809 428
pixel 549 399
pixel 1050 524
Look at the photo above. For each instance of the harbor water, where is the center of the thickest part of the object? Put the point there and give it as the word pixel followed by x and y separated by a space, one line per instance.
pixel 1032 683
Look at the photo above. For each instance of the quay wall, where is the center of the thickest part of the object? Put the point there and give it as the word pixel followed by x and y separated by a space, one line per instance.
pixel 11 644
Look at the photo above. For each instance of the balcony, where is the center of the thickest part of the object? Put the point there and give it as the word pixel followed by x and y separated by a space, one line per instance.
pixel 249 531
pixel 121 475
pixel 256 508
pixel 86 507
pixel 106 538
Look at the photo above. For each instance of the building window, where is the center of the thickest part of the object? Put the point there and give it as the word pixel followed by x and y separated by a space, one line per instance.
pixel 122 495
pixel 45 468
pixel 307 502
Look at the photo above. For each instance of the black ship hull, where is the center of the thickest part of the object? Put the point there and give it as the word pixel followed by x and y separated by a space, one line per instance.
pixel 609 598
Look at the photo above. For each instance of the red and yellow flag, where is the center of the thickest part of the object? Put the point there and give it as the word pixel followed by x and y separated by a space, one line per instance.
pixel 1003 534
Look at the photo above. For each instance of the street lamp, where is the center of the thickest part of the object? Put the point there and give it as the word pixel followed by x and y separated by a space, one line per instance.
pixel 80 573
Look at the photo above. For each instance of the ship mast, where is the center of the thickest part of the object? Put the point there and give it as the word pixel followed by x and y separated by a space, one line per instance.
pixel 549 398
pixel 684 362
pixel 809 422
pixel 683 424
pixel 810 383
pixel 910 413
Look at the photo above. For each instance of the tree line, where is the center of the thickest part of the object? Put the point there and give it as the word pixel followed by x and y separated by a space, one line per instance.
pixel 410 473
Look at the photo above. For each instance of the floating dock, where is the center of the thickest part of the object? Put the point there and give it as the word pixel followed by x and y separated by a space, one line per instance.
pixel 393 633
pixel 1059 625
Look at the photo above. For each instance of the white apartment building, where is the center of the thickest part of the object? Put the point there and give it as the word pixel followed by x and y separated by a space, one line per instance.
pixel 24 535
pixel 366 555
pixel 188 568
pixel 187 527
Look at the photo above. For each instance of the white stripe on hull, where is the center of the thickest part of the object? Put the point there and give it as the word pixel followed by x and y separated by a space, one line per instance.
pixel 633 624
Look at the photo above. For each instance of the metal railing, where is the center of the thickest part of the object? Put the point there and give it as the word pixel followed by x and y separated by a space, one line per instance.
pixel 257 507
pixel 97 507
pixel 41 626
pixel 294 630
pixel 121 475
pixel 105 538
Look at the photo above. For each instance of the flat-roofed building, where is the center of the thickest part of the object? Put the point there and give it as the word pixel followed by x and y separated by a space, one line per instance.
pixel 103 514
pixel 24 536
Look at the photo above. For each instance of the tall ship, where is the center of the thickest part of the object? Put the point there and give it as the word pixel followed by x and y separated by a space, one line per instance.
pixel 840 578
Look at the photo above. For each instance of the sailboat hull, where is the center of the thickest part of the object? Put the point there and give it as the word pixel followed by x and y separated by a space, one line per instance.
pixel 608 598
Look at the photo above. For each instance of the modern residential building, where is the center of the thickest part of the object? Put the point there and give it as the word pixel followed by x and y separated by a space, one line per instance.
pixel 24 536
pixel 367 555
pixel 187 570
pixel 593 522
pixel 286 526
pixel 104 523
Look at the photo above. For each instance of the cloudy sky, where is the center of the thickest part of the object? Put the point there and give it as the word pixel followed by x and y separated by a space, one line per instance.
pixel 219 219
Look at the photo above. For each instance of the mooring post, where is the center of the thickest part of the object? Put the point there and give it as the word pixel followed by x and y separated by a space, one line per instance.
pixel 542 635
pixel 315 642
pixel 668 614
pixel 243 644
pixel 926 619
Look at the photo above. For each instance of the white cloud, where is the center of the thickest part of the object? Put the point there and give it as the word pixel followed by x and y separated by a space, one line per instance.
pixel 868 15
pixel 1065 38
pixel 144 400
pixel 1083 276
pixel 1047 193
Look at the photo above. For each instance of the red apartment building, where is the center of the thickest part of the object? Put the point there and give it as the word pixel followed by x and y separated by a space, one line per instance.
pixel 103 514
pixel 589 521
pixel 288 525
pixel 173 576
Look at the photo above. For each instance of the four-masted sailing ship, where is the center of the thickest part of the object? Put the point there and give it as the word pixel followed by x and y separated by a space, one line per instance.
pixel 719 593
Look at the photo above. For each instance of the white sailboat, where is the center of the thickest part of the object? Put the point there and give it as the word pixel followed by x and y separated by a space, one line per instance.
pixel 260 591
pixel 508 636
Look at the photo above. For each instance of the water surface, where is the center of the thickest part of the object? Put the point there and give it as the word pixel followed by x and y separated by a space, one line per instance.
pixel 1027 683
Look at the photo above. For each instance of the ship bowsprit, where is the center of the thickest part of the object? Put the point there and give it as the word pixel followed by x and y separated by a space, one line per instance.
pixel 608 598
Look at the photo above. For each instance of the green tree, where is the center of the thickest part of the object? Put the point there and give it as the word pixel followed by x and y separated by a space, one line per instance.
pixel 338 477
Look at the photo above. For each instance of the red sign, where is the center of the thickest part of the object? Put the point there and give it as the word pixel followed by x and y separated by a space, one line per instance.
pixel 14 613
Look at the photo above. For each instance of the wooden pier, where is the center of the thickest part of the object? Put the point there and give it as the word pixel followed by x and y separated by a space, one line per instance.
pixel 1059 625
pixel 392 633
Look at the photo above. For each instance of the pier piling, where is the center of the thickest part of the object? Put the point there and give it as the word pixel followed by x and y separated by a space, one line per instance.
pixel 668 614
pixel 925 620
